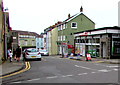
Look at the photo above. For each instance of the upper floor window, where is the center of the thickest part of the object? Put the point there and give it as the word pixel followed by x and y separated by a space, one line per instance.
pixel 63 26
pixel 73 25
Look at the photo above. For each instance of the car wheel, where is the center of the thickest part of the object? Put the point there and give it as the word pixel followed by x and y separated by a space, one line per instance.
pixel 39 59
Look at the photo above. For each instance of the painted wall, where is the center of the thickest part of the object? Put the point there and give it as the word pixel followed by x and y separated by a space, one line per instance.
pixel 39 43
pixel 1 34
pixel 54 38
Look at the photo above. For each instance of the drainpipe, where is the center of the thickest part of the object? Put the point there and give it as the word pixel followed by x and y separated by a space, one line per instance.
pixel 5 36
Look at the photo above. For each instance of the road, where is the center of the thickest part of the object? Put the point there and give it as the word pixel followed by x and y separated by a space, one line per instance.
pixel 53 69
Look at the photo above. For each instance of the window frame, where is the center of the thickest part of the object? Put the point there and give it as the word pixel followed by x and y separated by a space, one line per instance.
pixel 72 24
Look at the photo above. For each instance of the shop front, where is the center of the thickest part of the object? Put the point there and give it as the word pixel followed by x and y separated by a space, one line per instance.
pixel 102 42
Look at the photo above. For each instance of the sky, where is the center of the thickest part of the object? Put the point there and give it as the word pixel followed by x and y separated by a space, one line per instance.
pixel 37 15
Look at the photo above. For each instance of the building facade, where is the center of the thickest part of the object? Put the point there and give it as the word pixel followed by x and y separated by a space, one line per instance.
pixel 102 42
pixel 24 39
pixel 5 29
pixel 1 31
pixel 39 41
pixel 52 38
pixel 75 23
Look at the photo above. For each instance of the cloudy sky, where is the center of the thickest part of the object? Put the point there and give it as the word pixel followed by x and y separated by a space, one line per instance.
pixel 36 15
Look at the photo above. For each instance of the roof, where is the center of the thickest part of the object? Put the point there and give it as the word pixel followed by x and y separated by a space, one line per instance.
pixel 53 26
pixel 25 32
pixel 74 16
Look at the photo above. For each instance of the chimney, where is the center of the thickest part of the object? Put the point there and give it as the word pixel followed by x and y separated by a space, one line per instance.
pixel 81 9
pixel 68 15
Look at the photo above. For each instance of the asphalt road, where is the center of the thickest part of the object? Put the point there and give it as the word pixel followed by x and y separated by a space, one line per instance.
pixel 59 70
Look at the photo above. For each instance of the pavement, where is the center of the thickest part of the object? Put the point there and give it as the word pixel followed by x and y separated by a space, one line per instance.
pixel 8 68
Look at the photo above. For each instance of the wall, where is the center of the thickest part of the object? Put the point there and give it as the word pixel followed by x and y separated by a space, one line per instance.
pixel 1 35
pixel 54 38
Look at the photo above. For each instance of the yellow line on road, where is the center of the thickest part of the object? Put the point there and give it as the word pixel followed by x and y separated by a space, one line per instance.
pixel 26 68
pixel 98 61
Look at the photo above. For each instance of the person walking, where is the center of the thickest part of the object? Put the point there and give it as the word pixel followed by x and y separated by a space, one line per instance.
pixel 10 55
pixel 18 53
pixel 8 52
pixel 14 54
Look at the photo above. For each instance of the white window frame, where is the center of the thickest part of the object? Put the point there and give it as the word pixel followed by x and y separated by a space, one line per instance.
pixel 72 24
pixel 64 26
pixel 61 37
pixel 64 38
pixel 59 28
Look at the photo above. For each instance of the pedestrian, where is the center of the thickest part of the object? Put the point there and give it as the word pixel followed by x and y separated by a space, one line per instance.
pixel 18 53
pixel 8 52
pixel 10 55
pixel 14 54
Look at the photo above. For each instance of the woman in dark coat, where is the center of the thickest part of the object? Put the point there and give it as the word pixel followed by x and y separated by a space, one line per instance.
pixel 18 53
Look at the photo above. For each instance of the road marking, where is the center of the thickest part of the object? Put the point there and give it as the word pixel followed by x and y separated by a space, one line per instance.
pixel 34 79
pixel 26 68
pixel 17 82
pixel 107 65
pixel 93 72
pixel 112 66
pixel 67 75
pixel 51 77
pixel 98 61
pixel 85 67
pixel 115 69
pixel 82 74
pixel 104 70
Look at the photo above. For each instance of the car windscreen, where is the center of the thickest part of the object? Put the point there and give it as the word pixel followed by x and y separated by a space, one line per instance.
pixel 31 50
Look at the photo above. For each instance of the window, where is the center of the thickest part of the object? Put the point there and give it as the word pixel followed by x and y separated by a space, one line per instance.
pixel 25 43
pixel 63 26
pixel 59 27
pixel 58 38
pixel 73 25
pixel 63 38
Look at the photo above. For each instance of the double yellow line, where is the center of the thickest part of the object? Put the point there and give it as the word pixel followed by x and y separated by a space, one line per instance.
pixel 26 68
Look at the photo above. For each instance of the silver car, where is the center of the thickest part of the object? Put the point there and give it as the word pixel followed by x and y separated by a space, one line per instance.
pixel 44 52
pixel 32 53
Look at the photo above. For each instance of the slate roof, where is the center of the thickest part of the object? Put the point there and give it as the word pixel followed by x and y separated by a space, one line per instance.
pixel 26 33
pixel 73 17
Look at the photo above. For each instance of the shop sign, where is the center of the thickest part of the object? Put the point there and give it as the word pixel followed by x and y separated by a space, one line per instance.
pixel 70 46
pixel 64 43
pixel 85 34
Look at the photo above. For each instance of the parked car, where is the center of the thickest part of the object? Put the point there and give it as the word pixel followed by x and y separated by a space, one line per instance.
pixel 44 52
pixel 31 53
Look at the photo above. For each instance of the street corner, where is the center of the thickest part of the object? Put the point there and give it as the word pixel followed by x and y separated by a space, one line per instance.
pixel 22 69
